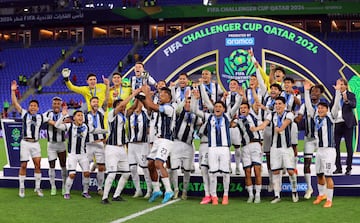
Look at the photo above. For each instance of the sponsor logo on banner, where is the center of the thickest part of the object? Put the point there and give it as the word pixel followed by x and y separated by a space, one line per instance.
pixel 286 187
pixel 238 66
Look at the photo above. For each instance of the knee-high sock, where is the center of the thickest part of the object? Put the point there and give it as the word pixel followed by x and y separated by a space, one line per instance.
pixel 206 181
pixel 123 179
pixel 108 182
pixel 321 189
pixel 147 179
pixel 68 185
pixel 250 190
pixel 257 190
pixel 86 181
pixel 277 184
pixel 186 180
pixel 226 183
pixel 329 194
pixel 308 180
pixel 37 180
pixel 22 181
pixel 213 184
pixel 100 179
pixel 52 177
pixel 135 177
pixel 174 179
pixel 293 181
pixel 166 182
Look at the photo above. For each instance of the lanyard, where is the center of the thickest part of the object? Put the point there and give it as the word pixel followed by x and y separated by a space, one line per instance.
pixel 208 89
pixel 319 123
pixel 93 94
pixel 279 120
pixel 95 123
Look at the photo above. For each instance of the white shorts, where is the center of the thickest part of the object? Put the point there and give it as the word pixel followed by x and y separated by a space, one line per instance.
pixel 235 136
pixel 116 159
pixel 251 154
pixel 182 154
pixel 53 148
pixel 137 153
pixel 325 161
pixel 267 139
pixel 29 149
pixel 96 149
pixel 160 149
pixel 294 133
pixel 282 158
pixel 219 158
pixel 310 146
pixel 204 154
pixel 74 159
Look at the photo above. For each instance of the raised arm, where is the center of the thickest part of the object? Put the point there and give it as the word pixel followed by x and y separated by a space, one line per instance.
pixel 122 104
pixel 107 92
pixel 336 107
pixel 194 104
pixel 308 104
pixel 205 97
pixel 14 100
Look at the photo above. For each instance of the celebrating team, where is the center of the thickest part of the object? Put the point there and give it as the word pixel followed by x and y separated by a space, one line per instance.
pixel 156 132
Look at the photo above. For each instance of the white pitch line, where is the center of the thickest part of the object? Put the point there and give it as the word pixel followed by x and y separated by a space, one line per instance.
pixel 137 214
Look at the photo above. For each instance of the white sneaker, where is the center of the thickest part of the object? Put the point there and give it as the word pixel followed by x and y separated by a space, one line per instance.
pixel 176 194
pixel 22 192
pixel 184 195
pixel 250 199
pixel 147 195
pixel 275 200
pixel 295 196
pixel 138 194
pixel 39 192
pixel 308 193
pixel 257 199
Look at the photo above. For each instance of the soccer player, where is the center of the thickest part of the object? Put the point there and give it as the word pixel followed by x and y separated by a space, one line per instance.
pixel 141 77
pixel 163 143
pixel 56 147
pixel 203 148
pixel 251 154
pixel 138 147
pixel 213 90
pixel 94 141
pixel 179 92
pixel 234 96
pixel 116 159
pixel 118 91
pixel 310 143
pixel 93 88
pixel 268 108
pixel 182 154
pixel 281 153
pixel 326 154
pixel 29 145
pixel 78 132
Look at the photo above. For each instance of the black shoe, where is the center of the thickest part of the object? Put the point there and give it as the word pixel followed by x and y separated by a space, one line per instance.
pixel 348 172
pixel 118 198
pixel 105 201
pixel 337 171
